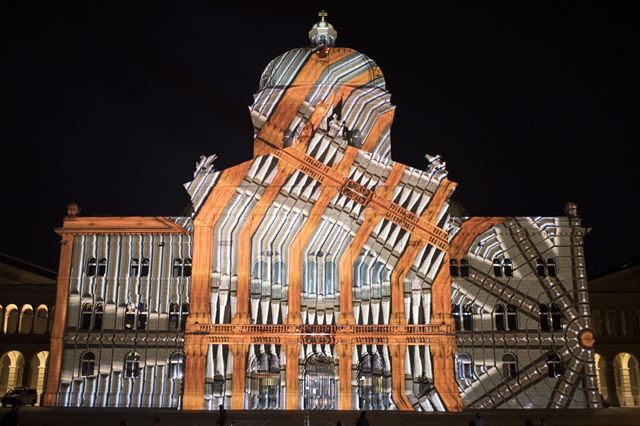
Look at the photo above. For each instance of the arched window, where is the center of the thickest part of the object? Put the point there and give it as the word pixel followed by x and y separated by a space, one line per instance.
pixel 457 316
pixel 373 387
pixel 627 323
pixel 263 381
pixel 134 267
pixel 552 270
pixel 176 365
pixel 498 315
pixel 184 315
pixel 319 386
pixel 26 320
pixel 259 270
pixel 11 319
pixel 467 317
pixel 144 267
pixel 497 267
pixel 512 317
pixel 596 316
pixel 310 282
pixel 131 365
pixel 87 364
pixel 544 317
pixel 102 267
pixel 540 267
pixel 41 324
pixel 555 366
pixel 186 271
pixel 556 317
pixel 509 366
pixel 87 313
pixel 611 322
pixel 330 278
pixel 142 316
pixel 92 265
pixel 98 315
pixel 359 273
pixel 465 367
pixel 130 317
pixel 174 316
pixel 508 268
pixel 278 273
pixel 453 267
pixel 177 267
pixel 464 268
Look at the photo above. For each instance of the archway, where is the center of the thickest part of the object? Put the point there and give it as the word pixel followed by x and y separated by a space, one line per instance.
pixel 11 370
pixel 263 381
pixel 26 319
pixel 627 377
pixel 11 318
pixel 373 386
pixel 319 383
pixel 37 372
pixel 41 322
pixel 601 376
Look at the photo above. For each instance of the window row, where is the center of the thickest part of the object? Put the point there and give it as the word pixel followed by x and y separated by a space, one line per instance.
pixel 135 317
pixel 616 323
pixel 137 267
pixel 503 267
pixel 507 319
pixel 132 365
pixel 23 320
pixel 459 270
pixel 466 368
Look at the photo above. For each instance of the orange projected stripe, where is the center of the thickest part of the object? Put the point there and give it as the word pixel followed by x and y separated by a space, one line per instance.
pixel 441 308
pixel 199 297
pixel 244 241
pixel 391 211
pixel 414 247
pixel 383 122
pixel 306 233
pixel 372 218
pixel 295 95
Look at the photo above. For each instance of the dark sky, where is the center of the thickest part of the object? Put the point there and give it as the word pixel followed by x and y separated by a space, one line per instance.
pixel 111 105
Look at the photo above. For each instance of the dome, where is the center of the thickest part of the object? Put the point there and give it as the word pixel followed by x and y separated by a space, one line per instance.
pixel 329 66
pixel 322 63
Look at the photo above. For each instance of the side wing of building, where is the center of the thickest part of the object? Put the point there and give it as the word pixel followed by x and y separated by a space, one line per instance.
pixel 521 311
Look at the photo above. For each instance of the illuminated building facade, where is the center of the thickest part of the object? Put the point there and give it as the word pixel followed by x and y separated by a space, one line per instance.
pixel 321 274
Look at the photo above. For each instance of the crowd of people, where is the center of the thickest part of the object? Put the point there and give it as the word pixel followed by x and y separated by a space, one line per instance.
pixel 11 418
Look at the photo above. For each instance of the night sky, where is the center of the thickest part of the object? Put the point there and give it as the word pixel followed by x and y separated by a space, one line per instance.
pixel 111 105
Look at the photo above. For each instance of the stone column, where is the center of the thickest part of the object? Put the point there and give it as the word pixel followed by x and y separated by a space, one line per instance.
pixel 59 321
pixel 292 382
pixel 345 351
pixel 443 373
pixel 399 392
pixel 194 373
pixel 610 380
pixel 239 373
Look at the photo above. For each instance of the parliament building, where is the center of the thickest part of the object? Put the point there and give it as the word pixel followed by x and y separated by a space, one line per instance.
pixel 321 274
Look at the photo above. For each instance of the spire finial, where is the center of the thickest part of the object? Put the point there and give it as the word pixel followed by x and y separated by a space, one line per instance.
pixel 323 33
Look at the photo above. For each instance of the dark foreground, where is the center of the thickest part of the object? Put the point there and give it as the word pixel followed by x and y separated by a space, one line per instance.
pixel 144 417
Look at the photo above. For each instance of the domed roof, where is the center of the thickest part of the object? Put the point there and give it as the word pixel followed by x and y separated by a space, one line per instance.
pixel 322 63
pixel 330 66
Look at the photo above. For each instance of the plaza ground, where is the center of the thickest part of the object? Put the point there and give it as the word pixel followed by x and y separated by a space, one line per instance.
pixel 143 417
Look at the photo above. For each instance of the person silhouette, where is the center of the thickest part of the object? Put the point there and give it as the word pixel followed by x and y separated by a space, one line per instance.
pixel 362 420
pixel 11 417
pixel 222 416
